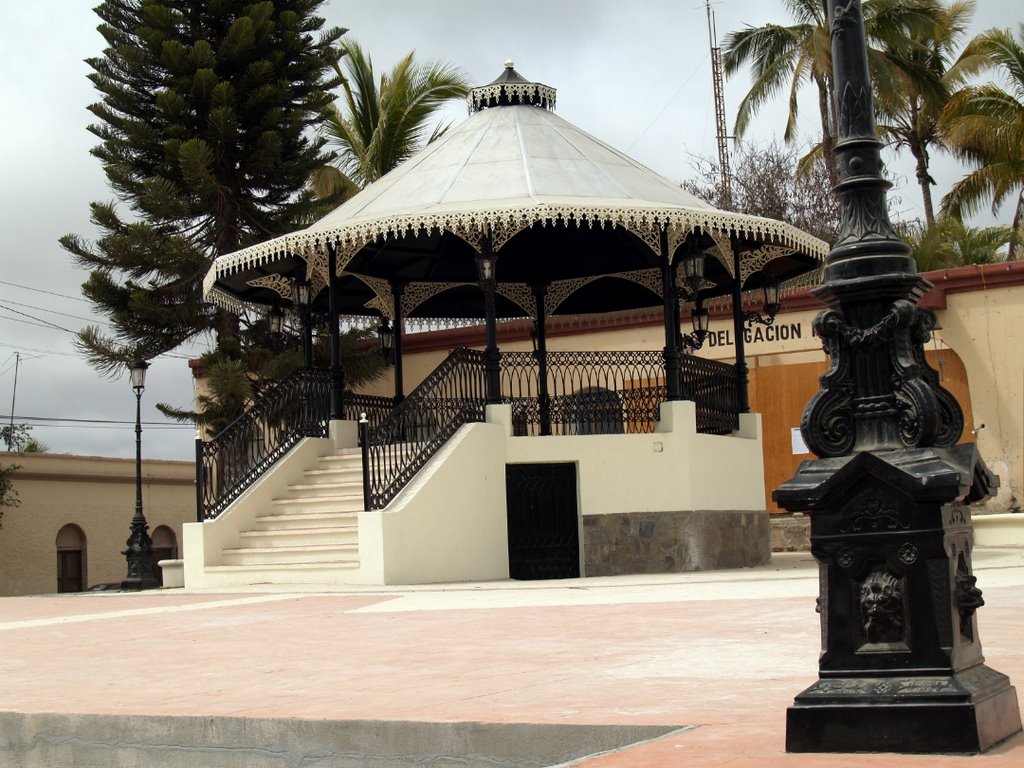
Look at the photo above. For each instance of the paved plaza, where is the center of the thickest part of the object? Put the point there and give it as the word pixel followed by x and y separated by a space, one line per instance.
pixel 670 670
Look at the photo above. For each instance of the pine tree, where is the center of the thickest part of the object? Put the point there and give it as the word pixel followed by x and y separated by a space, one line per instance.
pixel 207 127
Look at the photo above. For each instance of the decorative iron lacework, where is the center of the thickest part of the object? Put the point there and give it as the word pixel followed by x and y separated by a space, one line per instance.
pixel 644 222
pixel 757 259
pixel 383 301
pixel 280 285
pixel 521 295
pixel 561 290
pixel 525 93
pixel 316 263
pixel 722 251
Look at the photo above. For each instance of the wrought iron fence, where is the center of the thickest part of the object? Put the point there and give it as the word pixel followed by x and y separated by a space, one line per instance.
pixel 587 392
pixel 375 407
pixel 227 465
pixel 711 384
pixel 396 448
pixel 612 392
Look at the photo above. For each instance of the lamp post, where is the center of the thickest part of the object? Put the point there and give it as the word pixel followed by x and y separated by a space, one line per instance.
pixel 901 667
pixel 139 552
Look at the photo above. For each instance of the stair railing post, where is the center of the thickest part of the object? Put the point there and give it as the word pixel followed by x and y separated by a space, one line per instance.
pixel 199 478
pixel 364 445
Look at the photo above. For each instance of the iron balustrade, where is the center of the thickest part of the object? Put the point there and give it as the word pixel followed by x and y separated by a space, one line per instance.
pixel 713 386
pixel 375 407
pixel 396 448
pixel 296 407
pixel 613 392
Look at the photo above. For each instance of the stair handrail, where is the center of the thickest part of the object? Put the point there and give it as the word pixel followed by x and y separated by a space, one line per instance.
pixel 296 407
pixel 400 445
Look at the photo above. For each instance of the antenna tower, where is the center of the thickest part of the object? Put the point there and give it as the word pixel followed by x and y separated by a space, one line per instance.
pixel 720 132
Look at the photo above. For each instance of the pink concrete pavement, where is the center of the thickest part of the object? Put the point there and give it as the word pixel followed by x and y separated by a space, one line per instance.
pixel 726 652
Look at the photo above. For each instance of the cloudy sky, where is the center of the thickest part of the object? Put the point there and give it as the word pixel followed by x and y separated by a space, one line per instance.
pixel 636 76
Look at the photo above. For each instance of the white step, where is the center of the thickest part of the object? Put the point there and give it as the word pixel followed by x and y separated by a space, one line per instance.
pixel 335 475
pixel 345 488
pixel 306 520
pixel 351 503
pixel 301 554
pixel 284 573
pixel 291 537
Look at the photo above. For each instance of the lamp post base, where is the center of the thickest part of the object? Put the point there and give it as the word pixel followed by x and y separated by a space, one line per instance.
pixel 967 712
pixel 137 585
pixel 901 668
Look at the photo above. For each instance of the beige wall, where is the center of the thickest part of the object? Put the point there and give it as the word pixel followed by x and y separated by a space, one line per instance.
pixel 97 495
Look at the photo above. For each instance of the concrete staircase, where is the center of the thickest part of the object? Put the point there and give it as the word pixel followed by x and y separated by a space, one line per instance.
pixel 313 528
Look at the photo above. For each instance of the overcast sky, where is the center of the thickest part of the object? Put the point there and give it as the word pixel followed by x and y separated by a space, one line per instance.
pixel 636 76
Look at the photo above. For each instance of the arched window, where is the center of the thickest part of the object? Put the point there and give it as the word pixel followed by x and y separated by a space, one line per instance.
pixel 165 547
pixel 70 559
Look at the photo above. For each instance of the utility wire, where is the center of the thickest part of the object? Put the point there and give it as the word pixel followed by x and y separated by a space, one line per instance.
pixel 33 317
pixel 55 312
pixel 667 103
pixel 40 290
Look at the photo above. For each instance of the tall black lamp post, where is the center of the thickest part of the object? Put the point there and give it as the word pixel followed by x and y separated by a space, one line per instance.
pixel 141 574
pixel 901 667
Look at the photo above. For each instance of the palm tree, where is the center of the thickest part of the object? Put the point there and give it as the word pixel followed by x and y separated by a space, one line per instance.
pixel 909 114
pixel 801 53
pixel 985 124
pixel 385 122
pixel 951 243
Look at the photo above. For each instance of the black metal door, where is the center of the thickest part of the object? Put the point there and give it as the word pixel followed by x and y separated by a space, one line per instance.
pixel 543 528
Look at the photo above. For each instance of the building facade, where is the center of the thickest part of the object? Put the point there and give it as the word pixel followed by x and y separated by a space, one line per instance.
pixel 68 533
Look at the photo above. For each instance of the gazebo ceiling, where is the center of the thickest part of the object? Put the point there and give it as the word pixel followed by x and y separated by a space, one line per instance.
pixel 555 204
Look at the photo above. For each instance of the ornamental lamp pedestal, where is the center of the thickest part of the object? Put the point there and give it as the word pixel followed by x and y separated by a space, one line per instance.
pixel 901 666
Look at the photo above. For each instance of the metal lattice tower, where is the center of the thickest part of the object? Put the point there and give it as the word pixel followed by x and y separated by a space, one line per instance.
pixel 720 131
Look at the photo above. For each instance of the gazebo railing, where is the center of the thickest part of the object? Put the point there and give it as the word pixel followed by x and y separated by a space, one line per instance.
pixel 588 392
pixel 296 407
pixel 395 449
pixel 375 407
pixel 711 384
pixel 613 392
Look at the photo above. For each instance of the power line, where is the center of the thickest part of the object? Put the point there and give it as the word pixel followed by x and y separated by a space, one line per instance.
pixel 55 312
pixel 33 317
pixel 41 352
pixel 116 422
pixel 40 290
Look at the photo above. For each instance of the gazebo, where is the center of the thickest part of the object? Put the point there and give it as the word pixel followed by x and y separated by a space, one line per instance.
pixel 513 213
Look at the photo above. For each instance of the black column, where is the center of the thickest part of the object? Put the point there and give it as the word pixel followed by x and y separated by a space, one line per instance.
pixel 669 303
pixel 334 320
pixel 397 290
pixel 543 398
pixel 742 373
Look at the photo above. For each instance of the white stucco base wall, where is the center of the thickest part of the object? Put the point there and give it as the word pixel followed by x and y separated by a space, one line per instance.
pixel 449 523
pixel 673 468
